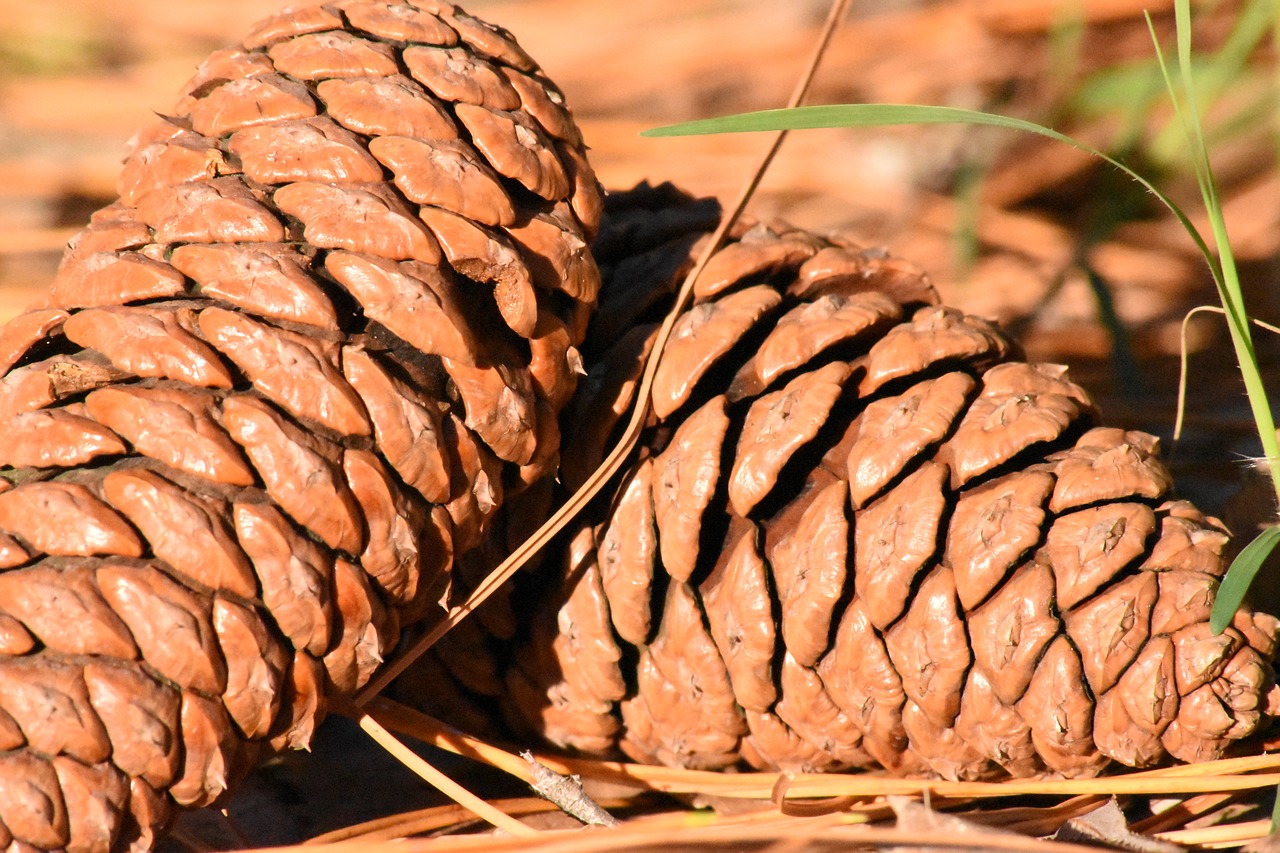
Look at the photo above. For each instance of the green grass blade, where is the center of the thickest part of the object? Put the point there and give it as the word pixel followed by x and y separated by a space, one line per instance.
pixel 1239 577
pixel 889 115
pixel 849 115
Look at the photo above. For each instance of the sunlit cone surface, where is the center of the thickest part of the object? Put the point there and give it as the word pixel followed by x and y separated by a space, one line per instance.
pixel 860 532
pixel 273 392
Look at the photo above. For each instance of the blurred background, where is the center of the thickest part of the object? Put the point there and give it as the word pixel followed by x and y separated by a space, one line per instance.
pixel 1070 256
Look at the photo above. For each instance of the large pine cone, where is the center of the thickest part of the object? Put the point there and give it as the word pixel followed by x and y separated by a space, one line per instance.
pixel 860 532
pixel 274 390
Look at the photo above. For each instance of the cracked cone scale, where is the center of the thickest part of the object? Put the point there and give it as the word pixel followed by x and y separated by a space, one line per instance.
pixel 273 391
pixel 859 533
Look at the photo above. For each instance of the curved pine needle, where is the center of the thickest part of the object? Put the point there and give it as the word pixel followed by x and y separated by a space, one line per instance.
pixel 1041 821
pixel 614 461
pixel 374 835
pixel 1204 782
pixel 1223 766
pixel 399 825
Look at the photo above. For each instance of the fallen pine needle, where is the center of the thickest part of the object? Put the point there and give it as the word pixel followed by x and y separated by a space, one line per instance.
pixel 442 782
pixel 407 721
pixel 1226 834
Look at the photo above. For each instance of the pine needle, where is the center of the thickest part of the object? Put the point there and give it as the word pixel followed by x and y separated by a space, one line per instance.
pixel 614 461
pixel 443 782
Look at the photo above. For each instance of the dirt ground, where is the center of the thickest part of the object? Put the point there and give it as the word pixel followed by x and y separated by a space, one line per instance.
pixel 1009 227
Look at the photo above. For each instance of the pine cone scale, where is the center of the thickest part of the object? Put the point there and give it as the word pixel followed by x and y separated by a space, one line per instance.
pixel 31 803
pixel 814 556
pixel 1010 631
pixel 175 428
pixel 189 536
pixel 894 538
pixel 741 621
pixel 892 432
pixel 400 23
pixel 64 608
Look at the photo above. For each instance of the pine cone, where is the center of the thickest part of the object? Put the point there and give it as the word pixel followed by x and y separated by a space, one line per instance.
pixel 275 388
pixel 861 532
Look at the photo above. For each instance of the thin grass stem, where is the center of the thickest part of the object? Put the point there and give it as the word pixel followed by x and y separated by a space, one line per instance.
pixel 1183 350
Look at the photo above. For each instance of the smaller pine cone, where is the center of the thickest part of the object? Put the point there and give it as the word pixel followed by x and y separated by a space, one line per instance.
pixel 273 392
pixel 860 532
